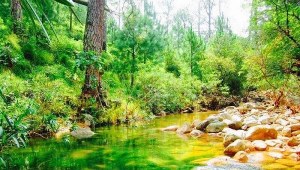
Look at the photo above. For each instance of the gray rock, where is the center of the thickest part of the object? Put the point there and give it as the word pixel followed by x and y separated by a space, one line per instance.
pixel 196 133
pixel 82 133
pixel 171 128
pixel 186 128
pixel 215 127
pixel 238 145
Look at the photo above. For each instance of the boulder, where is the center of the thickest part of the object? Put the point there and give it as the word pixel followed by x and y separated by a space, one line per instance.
pixel 215 127
pixel 259 145
pixel 261 132
pixel 276 155
pixel 82 133
pixel 241 156
pixel 265 119
pixel 294 156
pixel 233 124
pixel 273 142
pixel 228 139
pixel 196 133
pixel 186 128
pixel 171 128
pixel 238 145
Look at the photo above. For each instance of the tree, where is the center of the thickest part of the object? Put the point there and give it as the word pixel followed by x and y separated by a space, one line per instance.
pixel 94 40
pixel 208 5
pixel 16 13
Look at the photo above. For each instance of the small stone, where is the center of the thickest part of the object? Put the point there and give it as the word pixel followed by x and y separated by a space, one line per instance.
pixel 82 133
pixel 171 128
pixel 295 127
pixel 196 133
pixel 272 143
pixel 195 123
pixel 286 131
pixel 294 141
pixel 259 145
pixel 282 122
pixel 276 155
pixel 238 145
pixel 186 128
pixel 294 156
pixel 241 156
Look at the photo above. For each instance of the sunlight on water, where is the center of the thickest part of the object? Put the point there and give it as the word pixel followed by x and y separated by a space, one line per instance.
pixel 123 147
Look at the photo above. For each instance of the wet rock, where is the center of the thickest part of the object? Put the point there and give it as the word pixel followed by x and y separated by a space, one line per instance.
pixel 259 145
pixel 241 156
pixel 171 128
pixel 82 133
pixel 233 124
pixel 293 141
pixel 238 145
pixel 228 139
pixel 215 127
pixel 261 132
pixel 186 128
pixel 196 133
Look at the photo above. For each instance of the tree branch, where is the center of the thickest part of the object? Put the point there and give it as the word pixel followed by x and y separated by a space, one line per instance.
pixel 81 2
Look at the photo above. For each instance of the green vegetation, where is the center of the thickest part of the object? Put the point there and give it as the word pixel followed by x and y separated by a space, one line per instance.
pixel 55 68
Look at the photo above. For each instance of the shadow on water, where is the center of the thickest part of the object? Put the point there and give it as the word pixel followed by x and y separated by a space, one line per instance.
pixel 121 147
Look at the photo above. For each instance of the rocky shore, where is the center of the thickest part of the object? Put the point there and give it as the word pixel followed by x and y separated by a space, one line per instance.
pixel 255 134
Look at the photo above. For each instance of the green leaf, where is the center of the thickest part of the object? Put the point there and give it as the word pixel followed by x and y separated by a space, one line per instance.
pixel 66 2
pixel 2 162
pixel 16 141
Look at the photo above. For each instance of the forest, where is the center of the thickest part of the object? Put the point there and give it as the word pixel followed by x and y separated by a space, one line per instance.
pixel 149 84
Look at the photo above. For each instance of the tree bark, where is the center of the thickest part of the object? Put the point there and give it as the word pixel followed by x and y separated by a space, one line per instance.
pixel 16 13
pixel 94 41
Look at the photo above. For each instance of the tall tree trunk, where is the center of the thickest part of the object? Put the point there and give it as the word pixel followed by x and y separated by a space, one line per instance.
pixel 16 13
pixel 94 39
pixel 132 68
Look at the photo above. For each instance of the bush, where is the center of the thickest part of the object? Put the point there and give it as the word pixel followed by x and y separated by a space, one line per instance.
pixel 161 91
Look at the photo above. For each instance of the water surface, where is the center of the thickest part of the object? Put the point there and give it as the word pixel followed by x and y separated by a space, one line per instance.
pixel 122 147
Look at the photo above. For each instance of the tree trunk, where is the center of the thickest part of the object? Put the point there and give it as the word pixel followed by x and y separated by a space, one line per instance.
pixel 94 41
pixel 132 68
pixel 16 13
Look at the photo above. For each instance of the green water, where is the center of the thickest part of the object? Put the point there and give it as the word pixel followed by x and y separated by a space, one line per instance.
pixel 122 147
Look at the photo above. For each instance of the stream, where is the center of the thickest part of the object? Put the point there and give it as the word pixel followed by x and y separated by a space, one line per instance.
pixel 122 147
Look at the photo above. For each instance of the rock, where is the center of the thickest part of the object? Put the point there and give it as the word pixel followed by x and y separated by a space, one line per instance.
pixel 273 142
pixel 186 128
pixel 294 156
pixel 293 121
pixel 265 119
pixel 215 127
pixel 241 156
pixel 82 133
pixel 228 139
pixel 233 124
pixel 239 133
pixel 196 123
pixel 282 122
pixel 293 141
pixel 270 108
pixel 260 157
pixel 221 160
pixel 202 126
pixel 295 127
pixel 254 112
pixel 196 133
pixel 259 145
pixel 62 132
pixel 250 121
pixel 295 133
pixel 171 128
pixel 225 115
pixel 236 118
pixel 238 145
pixel 286 131
pixel 261 132
pixel 276 155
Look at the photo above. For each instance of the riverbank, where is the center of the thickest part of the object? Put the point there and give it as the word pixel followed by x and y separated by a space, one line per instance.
pixel 255 133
